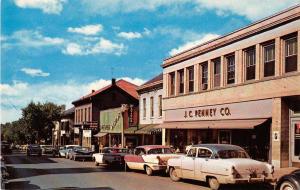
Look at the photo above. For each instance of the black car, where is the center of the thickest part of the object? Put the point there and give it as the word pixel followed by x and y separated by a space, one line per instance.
pixel 34 149
pixel 80 153
pixel 289 182
pixel 5 148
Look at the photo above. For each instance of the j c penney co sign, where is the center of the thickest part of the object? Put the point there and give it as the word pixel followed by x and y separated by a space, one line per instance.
pixel 242 110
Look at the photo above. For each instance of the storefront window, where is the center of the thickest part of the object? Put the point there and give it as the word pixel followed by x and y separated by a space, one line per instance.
pixel 224 137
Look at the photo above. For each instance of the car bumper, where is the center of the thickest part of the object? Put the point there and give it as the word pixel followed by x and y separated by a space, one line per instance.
pixel 82 156
pixel 159 167
pixel 251 180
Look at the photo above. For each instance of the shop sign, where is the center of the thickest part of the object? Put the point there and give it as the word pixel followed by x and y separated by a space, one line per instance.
pixel 242 110
pixel 76 130
pixel 111 121
pixel 62 132
pixel 87 133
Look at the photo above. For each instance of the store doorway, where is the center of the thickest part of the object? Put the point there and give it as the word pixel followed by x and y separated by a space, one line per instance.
pixel 295 140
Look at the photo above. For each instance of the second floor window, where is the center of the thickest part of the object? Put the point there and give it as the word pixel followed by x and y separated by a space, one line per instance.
pixel 291 54
pixel 230 60
pixel 151 107
pixel 191 78
pixel 181 81
pixel 89 114
pixel 160 105
pixel 217 72
pixel 144 107
pixel 172 83
pixel 204 76
pixel 269 60
pixel 250 63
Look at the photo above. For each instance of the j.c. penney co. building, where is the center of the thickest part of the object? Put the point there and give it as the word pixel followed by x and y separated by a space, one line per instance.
pixel 242 88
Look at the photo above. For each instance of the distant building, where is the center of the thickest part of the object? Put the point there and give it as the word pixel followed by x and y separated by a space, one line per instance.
pixel 150 117
pixel 242 88
pixel 102 116
pixel 63 132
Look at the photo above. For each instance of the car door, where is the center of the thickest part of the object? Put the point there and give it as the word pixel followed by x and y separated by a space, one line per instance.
pixel 203 158
pixel 188 164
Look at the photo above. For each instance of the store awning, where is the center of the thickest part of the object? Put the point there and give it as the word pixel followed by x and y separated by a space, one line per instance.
pixel 143 129
pixel 148 129
pixel 100 134
pixel 130 130
pixel 219 124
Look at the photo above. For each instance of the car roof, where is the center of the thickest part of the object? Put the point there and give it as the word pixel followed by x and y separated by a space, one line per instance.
pixel 149 147
pixel 218 147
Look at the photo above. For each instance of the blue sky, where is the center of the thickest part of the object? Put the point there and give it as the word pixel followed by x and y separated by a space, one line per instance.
pixel 59 50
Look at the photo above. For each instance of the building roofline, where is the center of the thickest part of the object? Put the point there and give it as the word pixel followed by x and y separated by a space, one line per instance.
pixel 227 38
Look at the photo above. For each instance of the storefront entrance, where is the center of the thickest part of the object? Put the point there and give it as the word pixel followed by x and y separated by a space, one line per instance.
pixel 295 140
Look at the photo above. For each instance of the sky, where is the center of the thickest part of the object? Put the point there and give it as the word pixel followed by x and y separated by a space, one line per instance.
pixel 60 50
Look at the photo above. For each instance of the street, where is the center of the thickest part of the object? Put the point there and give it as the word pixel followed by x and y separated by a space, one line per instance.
pixel 59 173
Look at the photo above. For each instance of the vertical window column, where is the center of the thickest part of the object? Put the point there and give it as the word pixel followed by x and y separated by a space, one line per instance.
pixel 250 63
pixel 151 107
pixel 269 60
pixel 190 79
pixel 197 75
pixel 217 72
pixel 291 52
pixel 209 74
pixel 230 69
pixel 180 81
pixel 160 105
pixel 144 108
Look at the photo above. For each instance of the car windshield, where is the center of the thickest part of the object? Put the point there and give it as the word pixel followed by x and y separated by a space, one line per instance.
pixel 72 147
pixel 160 151
pixel 115 150
pixel 225 154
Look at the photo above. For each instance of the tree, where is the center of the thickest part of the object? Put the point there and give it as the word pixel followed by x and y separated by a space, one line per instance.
pixel 35 125
pixel 38 119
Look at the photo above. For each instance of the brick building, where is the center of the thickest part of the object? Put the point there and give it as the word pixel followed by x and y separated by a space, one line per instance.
pixel 242 88
pixel 103 115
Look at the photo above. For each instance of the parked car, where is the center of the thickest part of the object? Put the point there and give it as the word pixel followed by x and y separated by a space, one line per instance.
pixel 111 156
pixel 63 151
pixel 80 153
pixel 149 158
pixel 47 149
pixel 5 148
pixel 34 149
pixel 289 182
pixel 219 164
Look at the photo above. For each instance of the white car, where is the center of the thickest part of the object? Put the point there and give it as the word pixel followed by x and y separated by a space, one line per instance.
pixel 110 156
pixel 63 151
pixel 149 158
pixel 219 164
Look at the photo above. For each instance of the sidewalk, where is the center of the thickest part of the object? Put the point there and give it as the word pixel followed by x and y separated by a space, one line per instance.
pixel 283 171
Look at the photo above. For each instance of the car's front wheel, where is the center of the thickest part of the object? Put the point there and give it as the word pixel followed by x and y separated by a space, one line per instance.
pixel 148 170
pixel 173 175
pixel 213 183
pixel 286 185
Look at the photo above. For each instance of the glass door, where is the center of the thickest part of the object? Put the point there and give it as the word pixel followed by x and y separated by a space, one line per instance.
pixel 295 140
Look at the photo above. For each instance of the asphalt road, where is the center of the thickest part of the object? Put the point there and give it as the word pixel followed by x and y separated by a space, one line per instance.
pixel 58 173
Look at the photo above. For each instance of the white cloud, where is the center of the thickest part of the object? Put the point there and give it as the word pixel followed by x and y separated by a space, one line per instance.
pixel 87 30
pixel 47 6
pixel 188 45
pixel 35 72
pixel 19 94
pixel 31 38
pixel 103 46
pixel 251 9
pixel 129 35
pixel 73 49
